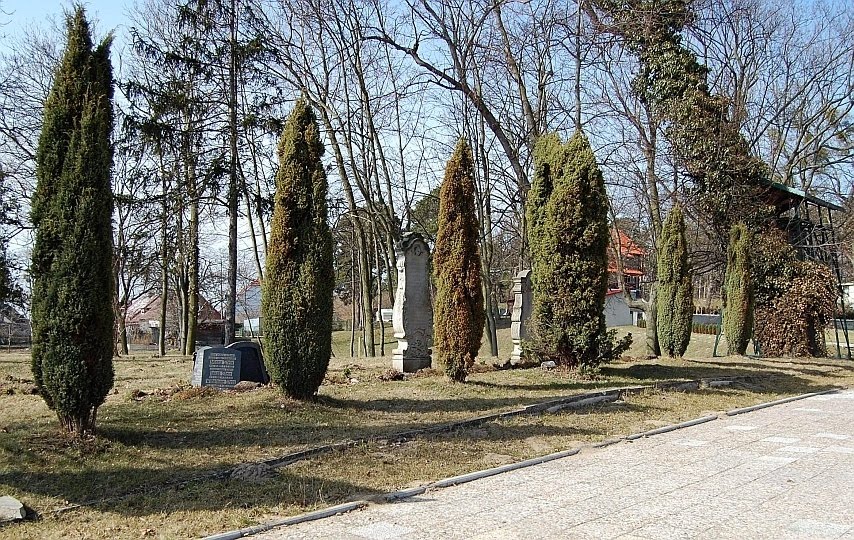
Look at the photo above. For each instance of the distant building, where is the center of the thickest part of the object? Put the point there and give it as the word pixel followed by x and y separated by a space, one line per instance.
pixel 15 328
pixel 143 322
pixel 248 303
pixel 248 314
pixel 632 258
pixel 618 312
pixel 847 294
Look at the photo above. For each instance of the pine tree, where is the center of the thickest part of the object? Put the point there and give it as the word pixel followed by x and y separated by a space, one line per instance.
pixel 297 291
pixel 72 309
pixel 459 314
pixel 568 234
pixel 738 291
pixel 674 294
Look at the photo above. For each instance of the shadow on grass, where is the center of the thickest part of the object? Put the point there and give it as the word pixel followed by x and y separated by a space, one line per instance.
pixel 98 490
pixel 803 367
pixel 553 385
pixel 147 490
pixel 781 375
pixel 474 405
pixel 141 491
pixel 295 438
pixel 645 374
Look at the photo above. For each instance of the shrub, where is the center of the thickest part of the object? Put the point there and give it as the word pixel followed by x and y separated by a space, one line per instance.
pixel 296 301
pixel 567 211
pixel 793 323
pixel 459 314
pixel 738 291
pixel 795 300
pixel 72 309
pixel 675 290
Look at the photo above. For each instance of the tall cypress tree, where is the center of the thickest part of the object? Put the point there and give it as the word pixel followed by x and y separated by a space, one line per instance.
pixel 72 208
pixel 675 289
pixel 459 314
pixel 297 293
pixel 738 291
pixel 568 234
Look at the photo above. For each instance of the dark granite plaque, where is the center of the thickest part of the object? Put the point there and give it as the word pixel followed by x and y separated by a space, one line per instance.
pixel 251 362
pixel 217 367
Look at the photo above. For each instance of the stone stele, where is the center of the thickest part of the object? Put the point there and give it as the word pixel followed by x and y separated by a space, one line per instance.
pixel 523 301
pixel 412 318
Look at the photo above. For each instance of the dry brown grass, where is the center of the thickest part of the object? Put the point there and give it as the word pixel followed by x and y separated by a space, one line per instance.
pixel 153 432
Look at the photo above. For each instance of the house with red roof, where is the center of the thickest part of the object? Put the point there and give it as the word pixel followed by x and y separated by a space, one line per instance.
pixel 143 322
pixel 630 259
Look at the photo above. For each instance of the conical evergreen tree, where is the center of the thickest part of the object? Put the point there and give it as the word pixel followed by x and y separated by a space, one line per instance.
pixel 72 209
pixel 567 213
pixel 459 314
pixel 675 291
pixel 738 291
pixel 297 293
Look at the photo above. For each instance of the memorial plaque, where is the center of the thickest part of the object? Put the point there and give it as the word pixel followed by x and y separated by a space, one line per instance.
pixel 218 367
pixel 251 362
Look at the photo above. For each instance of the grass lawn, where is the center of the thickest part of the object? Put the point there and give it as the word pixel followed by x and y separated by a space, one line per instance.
pixel 149 438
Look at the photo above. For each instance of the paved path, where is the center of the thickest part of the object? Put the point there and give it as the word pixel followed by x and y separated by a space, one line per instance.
pixel 781 472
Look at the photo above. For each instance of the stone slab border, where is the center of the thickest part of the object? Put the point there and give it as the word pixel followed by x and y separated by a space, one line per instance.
pixel 575 401
pixel 477 475
pixel 777 402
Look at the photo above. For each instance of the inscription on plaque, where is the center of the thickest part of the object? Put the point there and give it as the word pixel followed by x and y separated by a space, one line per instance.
pixel 218 367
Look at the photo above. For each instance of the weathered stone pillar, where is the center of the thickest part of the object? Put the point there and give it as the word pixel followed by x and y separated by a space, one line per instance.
pixel 523 302
pixel 412 318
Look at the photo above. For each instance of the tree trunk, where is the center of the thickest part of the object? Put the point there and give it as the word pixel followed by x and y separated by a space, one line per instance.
pixel 123 334
pixel 377 248
pixel 359 230
pixel 352 298
pixel 80 425
pixel 367 297
pixel 192 311
pixel 491 327
pixel 490 302
pixel 192 271
pixel 653 348
pixel 233 199
pixel 164 292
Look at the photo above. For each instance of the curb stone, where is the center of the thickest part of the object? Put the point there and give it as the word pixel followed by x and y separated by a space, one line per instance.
pixel 752 408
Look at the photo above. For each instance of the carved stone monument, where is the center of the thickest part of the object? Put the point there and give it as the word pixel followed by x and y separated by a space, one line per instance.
pixel 523 302
pixel 216 366
pixel 412 318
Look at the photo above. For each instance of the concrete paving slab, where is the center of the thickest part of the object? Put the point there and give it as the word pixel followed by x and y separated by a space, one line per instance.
pixel 780 472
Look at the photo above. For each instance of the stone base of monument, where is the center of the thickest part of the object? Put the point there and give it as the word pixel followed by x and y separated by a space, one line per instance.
pixel 517 356
pixel 408 364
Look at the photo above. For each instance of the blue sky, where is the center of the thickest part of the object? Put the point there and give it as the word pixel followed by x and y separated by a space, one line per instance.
pixel 19 14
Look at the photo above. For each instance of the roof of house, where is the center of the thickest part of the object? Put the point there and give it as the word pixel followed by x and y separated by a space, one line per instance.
pixel 148 308
pixel 249 304
pixel 627 245
pixel 626 271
